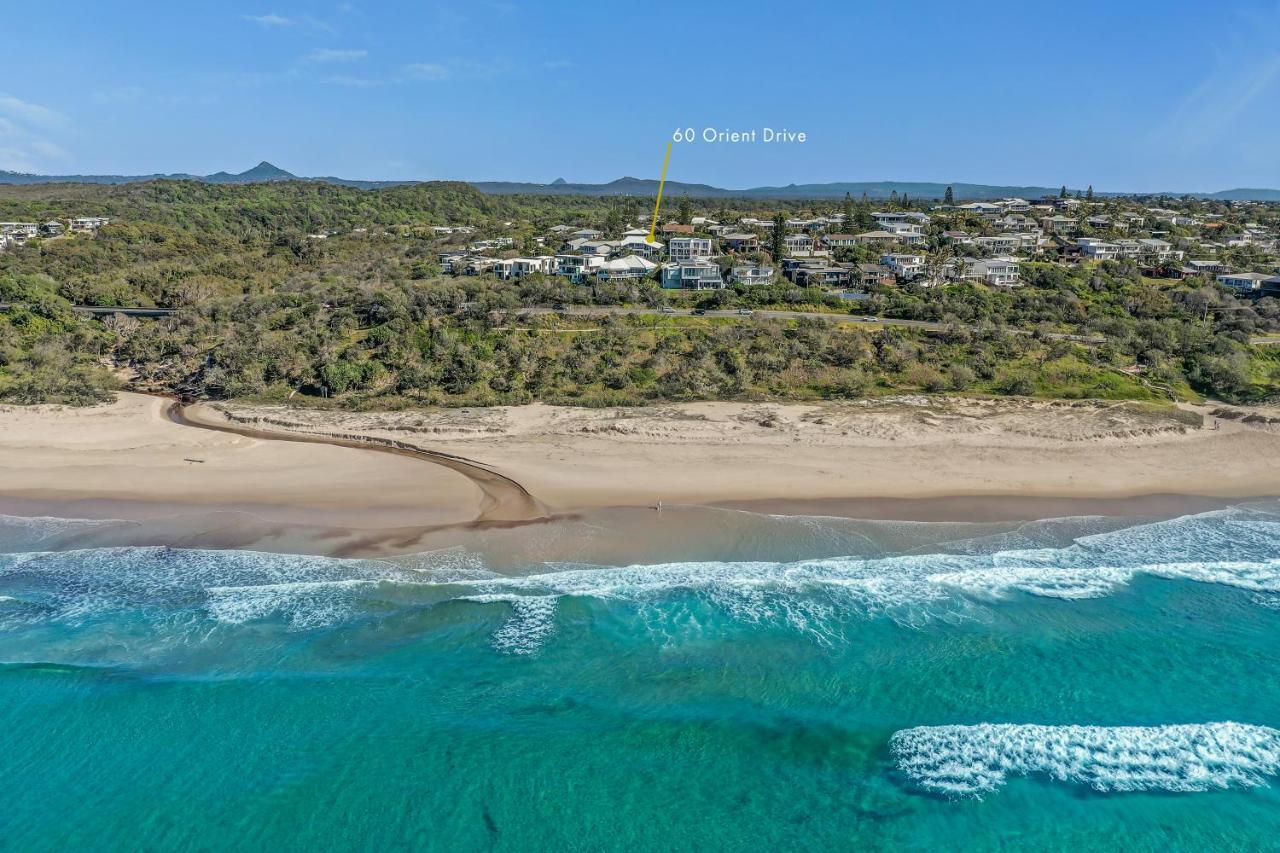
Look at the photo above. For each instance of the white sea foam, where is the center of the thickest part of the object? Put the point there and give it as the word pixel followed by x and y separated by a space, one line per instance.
pixel 306 604
pixel 674 600
pixel 532 621
pixel 969 761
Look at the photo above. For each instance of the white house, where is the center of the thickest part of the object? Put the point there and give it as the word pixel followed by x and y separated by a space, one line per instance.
pixel 1001 244
pixel 632 266
pixel 751 275
pixel 996 272
pixel 640 245
pixel 905 267
pixel 578 267
pixel 520 267
pixel 88 223
pixel 1097 250
pixel 683 249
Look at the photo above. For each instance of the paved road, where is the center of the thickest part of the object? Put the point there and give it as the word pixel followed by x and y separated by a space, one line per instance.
pixel 101 311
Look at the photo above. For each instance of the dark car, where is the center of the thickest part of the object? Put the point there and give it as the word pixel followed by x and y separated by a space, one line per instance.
pixel 699 312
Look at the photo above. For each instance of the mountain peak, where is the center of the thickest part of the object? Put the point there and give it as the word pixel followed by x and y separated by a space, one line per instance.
pixel 265 171
pixel 559 182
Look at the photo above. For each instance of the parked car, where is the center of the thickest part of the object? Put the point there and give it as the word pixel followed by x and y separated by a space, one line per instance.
pixel 699 312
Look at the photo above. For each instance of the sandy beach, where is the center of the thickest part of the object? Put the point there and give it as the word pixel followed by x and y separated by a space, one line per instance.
pixel 130 459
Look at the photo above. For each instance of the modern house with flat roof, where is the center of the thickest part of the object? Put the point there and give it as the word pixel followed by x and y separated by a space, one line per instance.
pixel 1247 283
pixel 688 248
pixel 751 275
pixel 692 275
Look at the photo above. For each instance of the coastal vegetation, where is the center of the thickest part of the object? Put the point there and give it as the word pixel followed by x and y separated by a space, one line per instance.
pixel 330 294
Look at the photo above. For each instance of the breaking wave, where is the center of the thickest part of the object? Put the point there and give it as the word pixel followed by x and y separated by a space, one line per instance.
pixel 1238 548
pixel 969 761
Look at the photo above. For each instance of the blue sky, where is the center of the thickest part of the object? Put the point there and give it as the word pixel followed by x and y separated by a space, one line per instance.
pixel 1139 95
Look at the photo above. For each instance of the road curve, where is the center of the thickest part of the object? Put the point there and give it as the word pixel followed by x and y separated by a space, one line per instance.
pixel 504 500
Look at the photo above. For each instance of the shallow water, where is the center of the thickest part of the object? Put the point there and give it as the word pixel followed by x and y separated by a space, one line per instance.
pixel 1071 684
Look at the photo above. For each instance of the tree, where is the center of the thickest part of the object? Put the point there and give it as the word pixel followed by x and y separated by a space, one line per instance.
pixel 613 221
pixel 847 224
pixel 1089 193
pixel 685 210
pixel 893 199
pixel 1063 192
pixel 950 197
pixel 777 240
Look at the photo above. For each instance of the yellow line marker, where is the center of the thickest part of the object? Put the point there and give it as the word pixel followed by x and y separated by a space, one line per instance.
pixel 653 226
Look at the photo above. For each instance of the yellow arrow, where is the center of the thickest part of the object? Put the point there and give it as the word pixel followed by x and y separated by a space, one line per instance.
pixel 653 226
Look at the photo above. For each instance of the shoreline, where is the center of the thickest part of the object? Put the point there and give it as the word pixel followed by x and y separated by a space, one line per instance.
pixel 394 482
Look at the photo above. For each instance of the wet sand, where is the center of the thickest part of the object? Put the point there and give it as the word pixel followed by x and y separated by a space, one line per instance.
pixel 538 484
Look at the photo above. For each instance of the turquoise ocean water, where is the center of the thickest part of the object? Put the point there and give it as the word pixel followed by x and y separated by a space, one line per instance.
pixel 1070 684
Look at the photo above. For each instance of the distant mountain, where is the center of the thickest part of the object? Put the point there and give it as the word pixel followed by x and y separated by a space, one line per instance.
pixel 264 172
pixel 647 188
pixel 1245 195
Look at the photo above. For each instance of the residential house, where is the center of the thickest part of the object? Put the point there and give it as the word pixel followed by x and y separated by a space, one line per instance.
pixel 86 224
pixel 640 245
pixel 869 238
pixel 577 267
pixel 52 228
pixel 872 275
pixel 19 232
pixel 692 275
pixel 741 242
pixel 751 275
pixel 840 241
pixel 1247 283
pixel 630 267
pixel 905 267
pixel 1001 244
pixel 982 208
pixel 905 232
pixel 995 272
pixel 822 275
pixel 1201 267
pixel 674 228
pixel 1097 250
pixel 603 248
pixel 1058 224
pixel 587 234
pixel 452 263
pixel 496 244
pixel 521 267
pixel 683 249
pixel 1157 252
pixel 478 264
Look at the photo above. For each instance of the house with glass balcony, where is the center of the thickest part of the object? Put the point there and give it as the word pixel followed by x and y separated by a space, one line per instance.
pixel 683 249
pixel 751 275
pixel 692 275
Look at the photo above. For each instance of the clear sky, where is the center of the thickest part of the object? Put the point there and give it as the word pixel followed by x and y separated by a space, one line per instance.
pixel 1140 95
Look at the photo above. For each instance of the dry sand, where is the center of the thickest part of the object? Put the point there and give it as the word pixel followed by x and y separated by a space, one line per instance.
pixel 910 447
pixel 728 454
pixel 127 459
